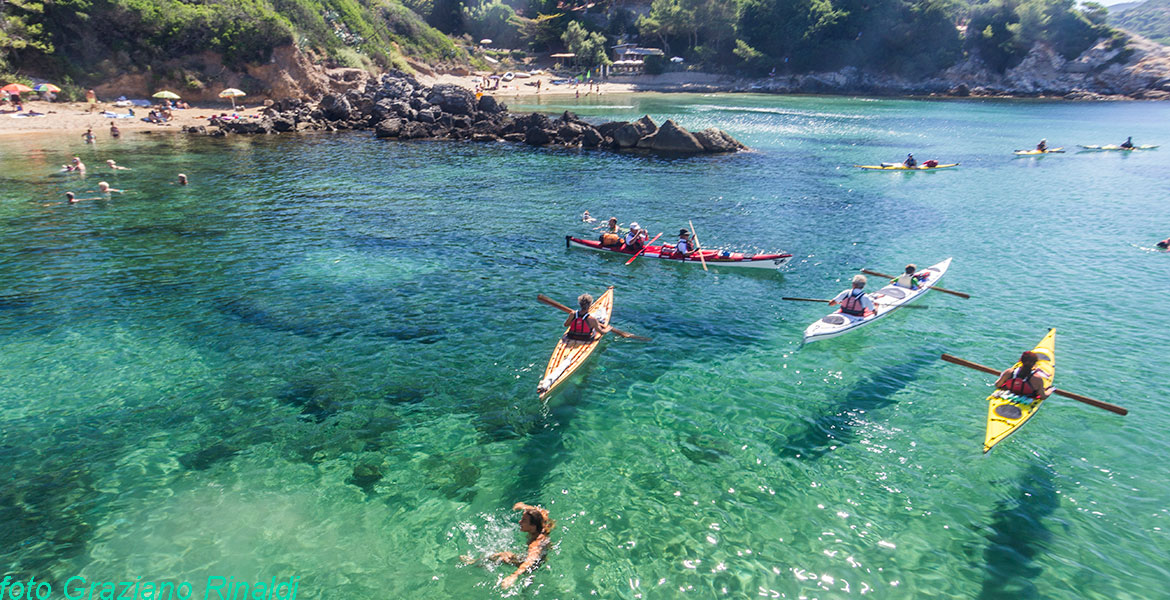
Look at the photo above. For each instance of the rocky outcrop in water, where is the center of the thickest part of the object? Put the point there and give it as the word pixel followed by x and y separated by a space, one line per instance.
pixel 397 106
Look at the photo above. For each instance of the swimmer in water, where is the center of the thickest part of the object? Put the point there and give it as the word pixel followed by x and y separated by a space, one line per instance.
pixel 104 188
pixel 73 199
pixel 113 165
pixel 585 218
pixel 182 179
pixel 76 166
pixel 536 523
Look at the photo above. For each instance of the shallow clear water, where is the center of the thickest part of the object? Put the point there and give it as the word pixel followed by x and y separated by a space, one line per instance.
pixel 320 360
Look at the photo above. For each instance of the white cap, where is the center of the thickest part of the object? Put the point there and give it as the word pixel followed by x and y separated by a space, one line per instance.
pixel 634 226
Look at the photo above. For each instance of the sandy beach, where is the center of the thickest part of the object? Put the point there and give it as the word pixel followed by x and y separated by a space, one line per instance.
pixel 75 116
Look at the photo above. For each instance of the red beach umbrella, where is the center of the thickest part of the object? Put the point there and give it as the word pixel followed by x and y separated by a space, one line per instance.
pixel 16 88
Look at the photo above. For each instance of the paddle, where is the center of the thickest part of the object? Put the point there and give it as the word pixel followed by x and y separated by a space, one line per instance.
pixel 935 288
pixel 562 307
pixel 643 248
pixel 828 301
pixel 1079 398
pixel 695 236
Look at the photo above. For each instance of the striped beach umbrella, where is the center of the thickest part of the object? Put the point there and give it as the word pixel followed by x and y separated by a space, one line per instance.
pixel 46 87
pixel 232 93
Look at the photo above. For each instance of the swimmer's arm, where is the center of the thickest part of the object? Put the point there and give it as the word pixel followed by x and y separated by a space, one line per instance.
pixel 535 552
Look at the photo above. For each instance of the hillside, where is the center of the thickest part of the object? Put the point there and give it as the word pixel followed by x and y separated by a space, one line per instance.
pixel 1150 19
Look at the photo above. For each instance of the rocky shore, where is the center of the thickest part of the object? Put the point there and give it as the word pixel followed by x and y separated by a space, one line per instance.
pixel 398 106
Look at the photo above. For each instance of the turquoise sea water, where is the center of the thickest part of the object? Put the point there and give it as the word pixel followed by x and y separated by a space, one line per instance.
pixel 320 360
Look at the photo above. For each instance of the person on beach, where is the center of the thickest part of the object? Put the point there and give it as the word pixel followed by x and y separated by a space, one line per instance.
pixel 88 136
pixel 182 179
pixel 910 162
pixel 1043 145
pixel 685 246
pixel 907 278
pixel 538 86
pixel 1024 380
pixel 114 131
pixel 75 166
pixel 636 238
pixel 584 327
pixel 114 166
pixel 91 100
pixel 854 301
pixel 1128 143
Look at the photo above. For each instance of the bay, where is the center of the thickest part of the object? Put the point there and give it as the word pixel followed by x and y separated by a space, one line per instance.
pixel 320 359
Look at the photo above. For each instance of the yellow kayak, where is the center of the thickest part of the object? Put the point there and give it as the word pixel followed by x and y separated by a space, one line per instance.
pixel 1034 152
pixel 901 167
pixel 569 354
pixel 1007 412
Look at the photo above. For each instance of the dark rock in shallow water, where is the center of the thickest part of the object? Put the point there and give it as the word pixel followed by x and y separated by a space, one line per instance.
pixel 388 128
pixel 414 130
pixel 488 104
pixel 715 140
pixel 535 136
pixel 591 138
pixel 671 138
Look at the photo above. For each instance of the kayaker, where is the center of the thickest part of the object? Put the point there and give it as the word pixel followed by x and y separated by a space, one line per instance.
pixel 537 524
pixel 636 238
pixel 584 327
pixel 1128 143
pixel 1023 380
pixel 1043 145
pixel 907 279
pixel 685 246
pixel 855 301
pixel 1164 244
pixel 910 162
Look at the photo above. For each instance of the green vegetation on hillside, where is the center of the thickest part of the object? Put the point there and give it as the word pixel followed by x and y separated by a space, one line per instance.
pixel 1150 18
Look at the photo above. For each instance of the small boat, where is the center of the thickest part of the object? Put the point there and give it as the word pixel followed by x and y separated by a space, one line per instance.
pixel 902 167
pixel 1034 152
pixel 521 75
pixel 509 76
pixel 1007 412
pixel 1116 147
pixel 714 258
pixel 887 300
pixel 569 355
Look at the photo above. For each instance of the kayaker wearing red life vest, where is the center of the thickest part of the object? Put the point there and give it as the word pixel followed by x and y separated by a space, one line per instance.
pixel 1023 381
pixel 636 238
pixel 584 327
pixel 855 301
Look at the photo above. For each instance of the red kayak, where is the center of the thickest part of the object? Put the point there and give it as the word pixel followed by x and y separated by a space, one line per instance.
pixel 714 258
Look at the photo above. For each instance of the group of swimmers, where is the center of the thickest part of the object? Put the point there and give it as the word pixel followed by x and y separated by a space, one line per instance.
pixel 77 166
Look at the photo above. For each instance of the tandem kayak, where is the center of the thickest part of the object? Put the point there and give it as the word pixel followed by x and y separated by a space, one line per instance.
pixel 901 167
pixel 1007 412
pixel 569 354
pixel 714 258
pixel 887 300
pixel 1116 147
pixel 1035 152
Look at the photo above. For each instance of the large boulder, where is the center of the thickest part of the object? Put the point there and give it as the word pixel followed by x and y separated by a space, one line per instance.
pixel 715 140
pixel 608 129
pixel 628 135
pixel 284 123
pixel 335 107
pixel 536 136
pixel 671 138
pixel 382 109
pixel 591 138
pixel 414 130
pixel 388 128
pixel 454 99
pixel 488 104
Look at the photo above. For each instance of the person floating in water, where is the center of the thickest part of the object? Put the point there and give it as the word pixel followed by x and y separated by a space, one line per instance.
pixel 537 524
pixel 104 188
pixel 585 218
pixel 182 179
pixel 910 162
pixel 1024 380
pixel 114 166
pixel 71 198
pixel 1128 143
pixel 907 279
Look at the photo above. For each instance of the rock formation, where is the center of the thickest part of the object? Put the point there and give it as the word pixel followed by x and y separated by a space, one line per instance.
pixel 397 106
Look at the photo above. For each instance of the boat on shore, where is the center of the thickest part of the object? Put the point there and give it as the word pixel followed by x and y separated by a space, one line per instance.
pixel 887 300
pixel 1007 412
pixel 714 258
pixel 569 355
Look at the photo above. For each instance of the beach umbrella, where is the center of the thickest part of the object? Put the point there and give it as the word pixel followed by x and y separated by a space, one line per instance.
pixel 46 87
pixel 166 94
pixel 232 93
pixel 16 88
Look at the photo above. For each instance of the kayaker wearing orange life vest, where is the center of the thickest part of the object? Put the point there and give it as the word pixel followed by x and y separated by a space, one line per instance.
pixel 1023 381
pixel 584 327
pixel 855 301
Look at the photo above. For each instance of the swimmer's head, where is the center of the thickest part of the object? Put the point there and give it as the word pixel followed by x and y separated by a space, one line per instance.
pixel 103 186
pixel 182 179
pixel 69 197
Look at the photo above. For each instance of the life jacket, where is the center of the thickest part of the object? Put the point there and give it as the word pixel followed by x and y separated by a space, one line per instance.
pixel 905 280
pixel 683 246
pixel 1020 385
pixel 930 163
pixel 611 239
pixel 851 305
pixel 580 329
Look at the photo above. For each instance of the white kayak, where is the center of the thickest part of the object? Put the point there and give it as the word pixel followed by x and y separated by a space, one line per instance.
pixel 887 300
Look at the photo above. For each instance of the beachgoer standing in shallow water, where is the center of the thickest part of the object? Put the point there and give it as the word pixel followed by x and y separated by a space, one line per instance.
pixel 88 136
pixel 104 188
pixel 91 99
pixel 114 131
pixel 76 166
pixel 537 524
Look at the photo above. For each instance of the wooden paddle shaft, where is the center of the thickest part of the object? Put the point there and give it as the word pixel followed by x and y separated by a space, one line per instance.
pixel 562 307
pixel 695 236
pixel 935 288
pixel 1079 398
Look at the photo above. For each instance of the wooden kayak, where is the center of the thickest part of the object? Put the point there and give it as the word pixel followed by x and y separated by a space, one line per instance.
pixel 569 355
pixel 714 258
pixel 888 299
pixel 1007 412
pixel 902 167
